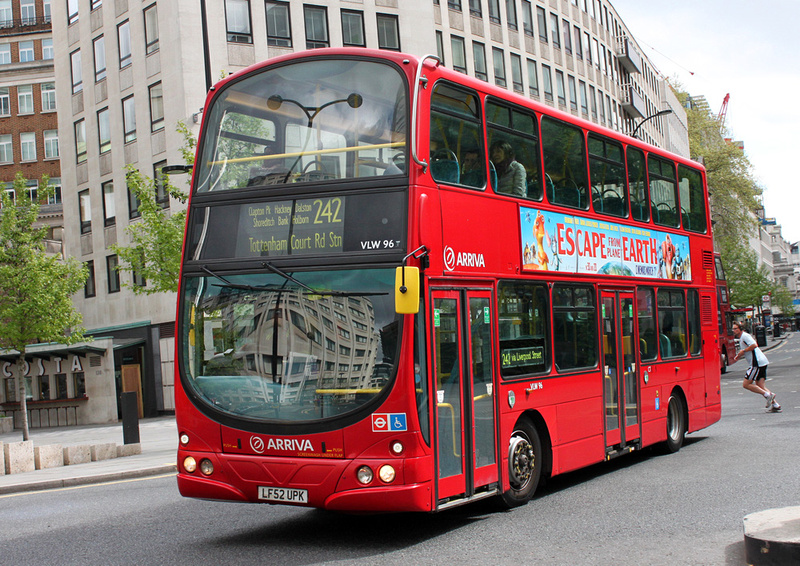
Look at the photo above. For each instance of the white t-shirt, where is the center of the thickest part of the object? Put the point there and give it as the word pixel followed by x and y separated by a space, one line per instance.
pixel 746 340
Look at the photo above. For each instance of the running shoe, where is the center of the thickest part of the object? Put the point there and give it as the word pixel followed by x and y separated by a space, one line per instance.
pixel 770 400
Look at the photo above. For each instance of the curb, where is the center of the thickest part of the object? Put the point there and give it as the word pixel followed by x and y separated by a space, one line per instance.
pixel 88 480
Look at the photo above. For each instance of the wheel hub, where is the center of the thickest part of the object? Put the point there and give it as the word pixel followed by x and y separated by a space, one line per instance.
pixel 521 461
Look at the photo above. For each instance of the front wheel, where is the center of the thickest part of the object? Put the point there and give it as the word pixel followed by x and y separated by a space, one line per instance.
pixel 524 464
pixel 676 425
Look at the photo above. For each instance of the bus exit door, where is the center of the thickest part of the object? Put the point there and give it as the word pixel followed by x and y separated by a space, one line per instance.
pixel 463 381
pixel 620 371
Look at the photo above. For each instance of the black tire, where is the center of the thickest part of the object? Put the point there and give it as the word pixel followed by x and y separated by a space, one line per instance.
pixel 724 366
pixel 676 425
pixel 524 464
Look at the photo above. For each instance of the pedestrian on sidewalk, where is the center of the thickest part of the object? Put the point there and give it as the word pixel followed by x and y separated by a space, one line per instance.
pixel 755 378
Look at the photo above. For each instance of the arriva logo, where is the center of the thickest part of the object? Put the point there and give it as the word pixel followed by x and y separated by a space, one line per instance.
pixel 462 259
pixel 257 444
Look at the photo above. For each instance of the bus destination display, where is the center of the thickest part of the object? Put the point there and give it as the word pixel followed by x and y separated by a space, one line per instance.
pixel 313 226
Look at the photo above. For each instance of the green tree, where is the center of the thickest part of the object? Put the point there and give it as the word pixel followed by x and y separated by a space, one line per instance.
pixel 783 300
pixel 154 252
pixel 733 190
pixel 36 288
pixel 747 281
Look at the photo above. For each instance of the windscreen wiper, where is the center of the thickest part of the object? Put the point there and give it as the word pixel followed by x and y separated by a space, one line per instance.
pixel 312 291
pixel 228 284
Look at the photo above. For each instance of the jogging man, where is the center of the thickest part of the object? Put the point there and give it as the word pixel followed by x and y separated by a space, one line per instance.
pixel 755 377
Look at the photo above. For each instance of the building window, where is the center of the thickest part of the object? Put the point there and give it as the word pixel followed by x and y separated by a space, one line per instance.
pixel 80 140
pixel 494 11
pixel 6 149
pixel 129 119
pixel 593 102
pixel 25 99
pixel 27 11
pixel 27 145
pixel 51 144
pixel 573 93
pixel 516 73
pixel 5 54
pixel 454 5
pixel 353 28
pixel 547 83
pixel 533 79
pixel 162 196
pixel 55 196
pixel 560 88
pixel 96 4
pixel 47 49
pixel 72 11
pixel 109 209
pixel 542 19
pixel 48 97
pixel 156 108
pixel 25 51
pixel 89 288
pixel 499 67
pixel 440 47
pixel 479 59
pixel 151 29
pixel 511 14
pixel 85 209
pixel 388 32
pixel 124 37
pixel 5 101
pixel 77 75
pixel 6 14
pixel 577 37
pixel 554 30
pixel 527 17
pixel 138 279
pixel 475 8
pixel 133 205
pixel 316 20
pixel 79 384
pixel 567 36
pixel 99 59
pixel 584 98
pixel 112 271
pixel 279 29
pixel 237 16
pixel 459 54
pixel 104 130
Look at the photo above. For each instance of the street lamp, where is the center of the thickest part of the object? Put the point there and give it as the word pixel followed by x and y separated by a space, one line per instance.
pixel 657 114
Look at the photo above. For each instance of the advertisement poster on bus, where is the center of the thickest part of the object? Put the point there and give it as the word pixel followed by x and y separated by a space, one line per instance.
pixel 564 242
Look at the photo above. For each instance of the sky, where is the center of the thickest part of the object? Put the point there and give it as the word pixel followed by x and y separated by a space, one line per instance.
pixel 750 50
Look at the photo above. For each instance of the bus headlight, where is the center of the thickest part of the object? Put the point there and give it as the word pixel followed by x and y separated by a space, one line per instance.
pixel 206 467
pixel 386 473
pixel 364 475
pixel 189 464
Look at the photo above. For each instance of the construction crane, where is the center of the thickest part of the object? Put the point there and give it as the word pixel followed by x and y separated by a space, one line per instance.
pixel 723 111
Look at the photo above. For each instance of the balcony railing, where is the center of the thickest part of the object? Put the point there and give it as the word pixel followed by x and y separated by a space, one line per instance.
pixel 25 25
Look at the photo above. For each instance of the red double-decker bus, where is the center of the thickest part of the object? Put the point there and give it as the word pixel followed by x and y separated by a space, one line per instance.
pixel 725 317
pixel 404 289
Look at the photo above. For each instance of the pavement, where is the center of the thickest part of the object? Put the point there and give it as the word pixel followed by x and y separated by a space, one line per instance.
pixel 159 443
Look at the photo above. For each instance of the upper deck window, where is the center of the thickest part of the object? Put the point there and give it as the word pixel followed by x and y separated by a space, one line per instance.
pixel 456 147
pixel 308 121
pixel 663 191
pixel 607 170
pixel 564 164
pixel 693 202
pixel 513 138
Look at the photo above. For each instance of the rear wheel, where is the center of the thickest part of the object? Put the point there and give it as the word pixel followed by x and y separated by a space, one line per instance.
pixel 676 425
pixel 524 464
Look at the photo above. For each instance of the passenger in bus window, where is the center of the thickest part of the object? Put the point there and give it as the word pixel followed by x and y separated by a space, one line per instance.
pixel 510 173
pixel 472 173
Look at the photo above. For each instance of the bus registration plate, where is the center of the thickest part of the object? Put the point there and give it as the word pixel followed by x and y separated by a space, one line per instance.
pixel 282 494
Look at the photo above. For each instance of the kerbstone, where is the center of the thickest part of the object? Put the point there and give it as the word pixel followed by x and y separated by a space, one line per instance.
pixel 128 449
pixel 104 451
pixel 48 456
pixel 19 457
pixel 78 454
pixel 2 461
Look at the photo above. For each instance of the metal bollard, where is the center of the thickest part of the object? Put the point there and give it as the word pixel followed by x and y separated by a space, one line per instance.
pixel 130 417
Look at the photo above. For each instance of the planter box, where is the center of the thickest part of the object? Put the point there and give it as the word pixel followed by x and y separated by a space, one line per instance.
pixel 6 425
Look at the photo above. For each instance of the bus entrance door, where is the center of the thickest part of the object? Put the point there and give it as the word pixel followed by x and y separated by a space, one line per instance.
pixel 464 402
pixel 620 372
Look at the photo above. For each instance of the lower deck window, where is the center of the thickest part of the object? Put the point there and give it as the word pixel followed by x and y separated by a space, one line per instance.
pixel 524 346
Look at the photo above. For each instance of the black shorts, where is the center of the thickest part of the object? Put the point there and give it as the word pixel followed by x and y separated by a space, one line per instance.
pixel 754 373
